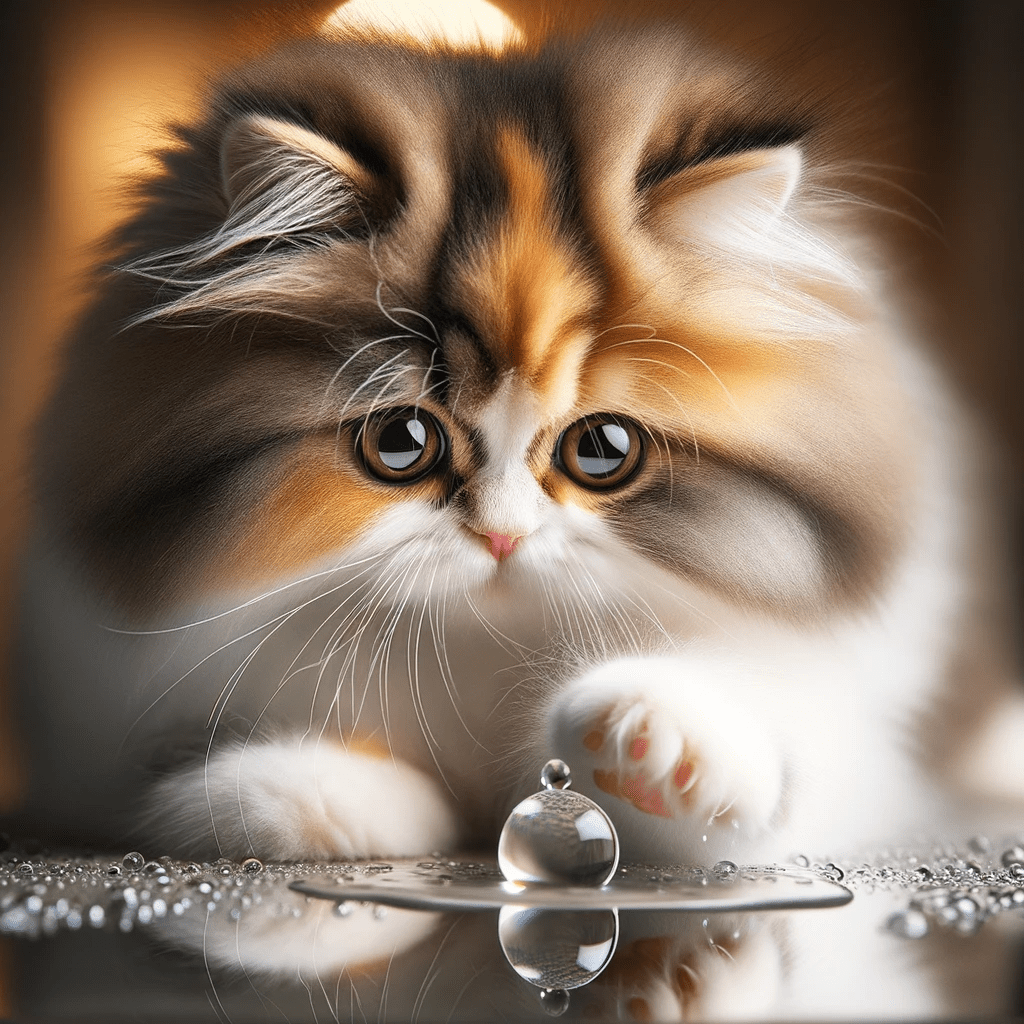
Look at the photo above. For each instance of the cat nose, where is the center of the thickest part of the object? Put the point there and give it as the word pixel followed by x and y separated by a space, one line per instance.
pixel 502 544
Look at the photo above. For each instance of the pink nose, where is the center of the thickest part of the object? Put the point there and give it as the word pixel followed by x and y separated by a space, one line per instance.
pixel 502 545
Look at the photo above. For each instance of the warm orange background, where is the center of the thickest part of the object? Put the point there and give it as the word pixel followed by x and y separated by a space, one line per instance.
pixel 87 85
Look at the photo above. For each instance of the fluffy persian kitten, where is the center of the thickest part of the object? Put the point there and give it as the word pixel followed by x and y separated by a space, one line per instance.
pixel 450 404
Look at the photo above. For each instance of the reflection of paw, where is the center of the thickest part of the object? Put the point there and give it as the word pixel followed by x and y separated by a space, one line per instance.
pixel 671 749
pixel 699 974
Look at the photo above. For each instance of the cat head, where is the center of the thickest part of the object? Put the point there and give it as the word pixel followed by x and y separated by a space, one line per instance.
pixel 481 315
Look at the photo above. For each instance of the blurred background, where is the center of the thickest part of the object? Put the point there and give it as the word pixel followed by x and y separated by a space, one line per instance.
pixel 88 84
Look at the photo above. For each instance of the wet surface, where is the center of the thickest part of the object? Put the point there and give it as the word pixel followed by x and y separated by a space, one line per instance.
pixel 931 932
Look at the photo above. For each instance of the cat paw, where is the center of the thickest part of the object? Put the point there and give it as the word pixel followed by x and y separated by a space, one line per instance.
pixel 289 801
pixel 667 746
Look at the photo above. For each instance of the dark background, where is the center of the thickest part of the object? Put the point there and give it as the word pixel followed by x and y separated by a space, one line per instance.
pixel 85 87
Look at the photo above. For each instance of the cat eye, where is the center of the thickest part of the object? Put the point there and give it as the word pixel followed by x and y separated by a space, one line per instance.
pixel 400 446
pixel 600 452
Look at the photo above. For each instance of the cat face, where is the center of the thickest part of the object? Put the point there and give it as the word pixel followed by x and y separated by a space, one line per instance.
pixel 464 320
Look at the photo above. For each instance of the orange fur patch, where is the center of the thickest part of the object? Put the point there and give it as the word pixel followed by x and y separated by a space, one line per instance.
pixel 524 283
pixel 317 507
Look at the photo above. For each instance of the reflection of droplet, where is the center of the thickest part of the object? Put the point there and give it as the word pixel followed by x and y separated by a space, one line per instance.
pixel 725 870
pixel 558 949
pixel 133 861
pixel 558 836
pixel 908 924
pixel 555 1001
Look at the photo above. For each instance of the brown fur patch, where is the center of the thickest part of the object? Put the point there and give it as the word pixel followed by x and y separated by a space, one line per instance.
pixel 524 282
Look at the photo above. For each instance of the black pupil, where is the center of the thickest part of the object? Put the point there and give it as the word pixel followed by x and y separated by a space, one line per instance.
pixel 602 450
pixel 401 443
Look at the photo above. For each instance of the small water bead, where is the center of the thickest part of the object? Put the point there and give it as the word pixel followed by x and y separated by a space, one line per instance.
pixel 725 871
pixel 832 872
pixel 801 861
pixel 1013 855
pixel 114 870
pixel 1017 870
pixel 979 845
pixel 557 949
pixel 908 924
pixel 380 912
pixel 133 861
pixel 252 865
pixel 97 916
pixel 555 775
pixel 554 1001
pixel 25 870
pixel 924 873
pixel 344 909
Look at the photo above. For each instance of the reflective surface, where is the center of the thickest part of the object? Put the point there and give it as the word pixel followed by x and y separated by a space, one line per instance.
pixel 932 933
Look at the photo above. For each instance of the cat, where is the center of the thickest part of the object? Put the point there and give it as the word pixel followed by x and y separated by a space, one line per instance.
pixel 457 401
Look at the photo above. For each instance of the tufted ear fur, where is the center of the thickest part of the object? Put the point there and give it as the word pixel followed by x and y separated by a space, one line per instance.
pixel 287 179
pixel 723 202
pixel 765 265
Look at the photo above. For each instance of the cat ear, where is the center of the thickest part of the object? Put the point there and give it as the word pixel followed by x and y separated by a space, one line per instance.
pixel 273 169
pixel 727 202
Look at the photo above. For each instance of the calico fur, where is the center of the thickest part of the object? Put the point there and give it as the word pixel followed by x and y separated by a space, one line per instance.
pixel 281 653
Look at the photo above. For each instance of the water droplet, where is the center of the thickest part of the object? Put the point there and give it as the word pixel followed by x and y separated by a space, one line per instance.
pixel 557 949
pixel 114 870
pixel 924 873
pixel 555 1001
pixel 1013 855
pixel 979 845
pixel 801 861
pixel 205 888
pixel 74 920
pixel 425 864
pixel 833 872
pixel 159 908
pixel 555 775
pixel 226 869
pixel 1017 870
pixel 344 909
pixel 152 867
pixel 25 869
pixel 908 924
pixel 379 912
pixel 34 904
pixel 558 836
pixel 725 871
pixel 252 865
pixel 144 915
pixel 97 916
pixel 133 861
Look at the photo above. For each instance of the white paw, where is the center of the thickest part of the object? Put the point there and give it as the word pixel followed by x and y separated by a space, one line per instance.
pixel 286 801
pixel 672 738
